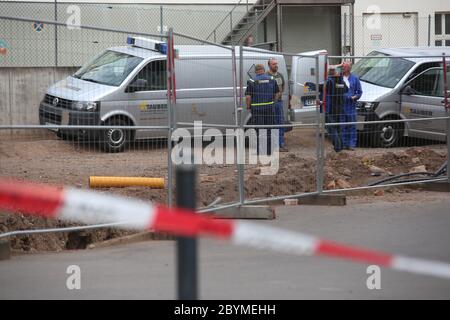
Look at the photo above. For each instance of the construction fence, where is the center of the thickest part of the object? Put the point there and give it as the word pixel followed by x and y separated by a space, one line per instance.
pixel 131 112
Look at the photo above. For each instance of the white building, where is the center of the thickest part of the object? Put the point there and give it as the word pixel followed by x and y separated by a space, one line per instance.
pixel 339 26
pixel 396 23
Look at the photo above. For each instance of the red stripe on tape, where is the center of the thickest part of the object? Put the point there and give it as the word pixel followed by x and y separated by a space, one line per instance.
pixel 337 250
pixel 186 223
pixel 30 198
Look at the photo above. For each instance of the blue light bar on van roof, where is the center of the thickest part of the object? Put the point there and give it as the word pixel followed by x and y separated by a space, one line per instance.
pixel 149 44
pixel 162 48
pixel 130 40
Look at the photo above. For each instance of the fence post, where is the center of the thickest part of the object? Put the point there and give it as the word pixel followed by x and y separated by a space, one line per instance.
pixel 186 247
pixel 170 116
pixel 56 33
pixel 319 133
pixel 447 112
pixel 241 142
pixel 240 145
pixel 231 22
pixel 161 20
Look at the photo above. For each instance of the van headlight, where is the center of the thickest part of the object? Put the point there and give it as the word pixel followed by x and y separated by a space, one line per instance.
pixel 368 106
pixel 86 105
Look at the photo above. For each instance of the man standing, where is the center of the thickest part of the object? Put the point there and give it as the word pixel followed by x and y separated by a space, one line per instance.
pixel 349 133
pixel 335 93
pixel 249 41
pixel 260 96
pixel 279 111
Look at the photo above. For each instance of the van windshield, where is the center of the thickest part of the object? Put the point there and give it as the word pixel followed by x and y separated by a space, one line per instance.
pixel 384 72
pixel 110 68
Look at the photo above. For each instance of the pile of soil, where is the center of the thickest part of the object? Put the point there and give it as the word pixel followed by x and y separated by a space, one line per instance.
pixel 57 162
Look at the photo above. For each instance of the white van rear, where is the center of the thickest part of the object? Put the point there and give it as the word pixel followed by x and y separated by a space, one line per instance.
pixel 303 96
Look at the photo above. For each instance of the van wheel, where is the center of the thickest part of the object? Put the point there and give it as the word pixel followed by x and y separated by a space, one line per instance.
pixel 61 135
pixel 388 135
pixel 115 140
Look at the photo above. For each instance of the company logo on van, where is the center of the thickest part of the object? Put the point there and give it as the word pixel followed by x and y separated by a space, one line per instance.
pixel 55 102
pixel 419 112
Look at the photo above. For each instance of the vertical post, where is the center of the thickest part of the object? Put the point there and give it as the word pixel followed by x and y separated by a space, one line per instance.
pixel 319 133
pixel 241 75
pixel 234 79
pixel 186 247
pixel 231 22
pixel 170 117
pixel 352 33
pixel 215 36
pixel 345 34
pixel 429 30
pixel 56 33
pixel 161 21
pixel 241 142
pixel 240 138
pixel 279 26
pixel 447 112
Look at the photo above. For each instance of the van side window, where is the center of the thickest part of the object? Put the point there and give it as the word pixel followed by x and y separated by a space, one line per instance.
pixel 421 68
pixel 427 83
pixel 440 86
pixel 155 74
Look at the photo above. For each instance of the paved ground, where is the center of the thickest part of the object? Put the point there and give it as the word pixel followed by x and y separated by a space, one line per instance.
pixel 146 270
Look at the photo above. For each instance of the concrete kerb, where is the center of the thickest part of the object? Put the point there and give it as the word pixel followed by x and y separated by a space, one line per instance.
pixel 437 186
pixel 257 212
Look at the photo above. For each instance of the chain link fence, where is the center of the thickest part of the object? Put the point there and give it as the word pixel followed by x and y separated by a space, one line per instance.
pixel 386 119
pixel 60 46
pixel 112 117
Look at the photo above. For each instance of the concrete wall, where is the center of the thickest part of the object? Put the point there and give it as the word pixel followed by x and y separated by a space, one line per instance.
pixel 21 91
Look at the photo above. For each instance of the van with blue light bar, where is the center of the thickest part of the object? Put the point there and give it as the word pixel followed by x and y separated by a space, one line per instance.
pixel 149 44
pixel 127 86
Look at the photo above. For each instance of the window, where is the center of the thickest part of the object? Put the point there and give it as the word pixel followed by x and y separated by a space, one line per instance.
pixel 111 68
pixel 447 24
pixel 422 67
pixel 384 72
pixel 438 24
pixel 442 29
pixel 427 84
pixel 155 73
pixel 440 85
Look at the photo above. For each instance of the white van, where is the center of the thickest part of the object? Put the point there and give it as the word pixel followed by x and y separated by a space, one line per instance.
pixel 302 85
pixel 402 88
pixel 126 86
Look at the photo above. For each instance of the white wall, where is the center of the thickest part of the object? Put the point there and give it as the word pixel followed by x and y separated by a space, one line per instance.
pixel 28 47
pixel 401 31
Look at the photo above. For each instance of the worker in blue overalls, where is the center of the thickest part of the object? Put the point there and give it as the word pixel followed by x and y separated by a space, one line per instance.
pixel 261 93
pixel 335 94
pixel 354 92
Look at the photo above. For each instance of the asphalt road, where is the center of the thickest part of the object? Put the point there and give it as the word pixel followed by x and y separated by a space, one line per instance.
pixel 146 270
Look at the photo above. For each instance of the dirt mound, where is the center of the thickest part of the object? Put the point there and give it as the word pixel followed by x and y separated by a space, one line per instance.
pixel 58 162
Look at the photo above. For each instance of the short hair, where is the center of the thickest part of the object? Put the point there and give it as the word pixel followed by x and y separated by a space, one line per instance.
pixel 259 67
pixel 270 59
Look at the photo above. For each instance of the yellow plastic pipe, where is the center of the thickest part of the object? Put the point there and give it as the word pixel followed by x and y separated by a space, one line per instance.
pixel 106 182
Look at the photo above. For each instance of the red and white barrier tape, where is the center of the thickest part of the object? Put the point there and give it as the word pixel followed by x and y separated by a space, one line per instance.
pixel 92 208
